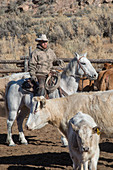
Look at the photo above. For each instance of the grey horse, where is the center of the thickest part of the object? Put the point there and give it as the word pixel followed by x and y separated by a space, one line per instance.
pixel 18 102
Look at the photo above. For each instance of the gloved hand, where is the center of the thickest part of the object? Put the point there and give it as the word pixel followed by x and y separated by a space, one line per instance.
pixel 61 63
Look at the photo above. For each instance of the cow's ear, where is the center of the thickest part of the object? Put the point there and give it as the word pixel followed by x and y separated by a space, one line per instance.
pixel 75 128
pixel 96 129
pixel 34 99
pixel 43 103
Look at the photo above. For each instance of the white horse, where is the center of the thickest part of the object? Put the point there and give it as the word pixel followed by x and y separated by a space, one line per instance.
pixel 18 102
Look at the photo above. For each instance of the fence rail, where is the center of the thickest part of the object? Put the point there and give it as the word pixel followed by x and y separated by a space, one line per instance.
pixel 98 61
pixel 23 64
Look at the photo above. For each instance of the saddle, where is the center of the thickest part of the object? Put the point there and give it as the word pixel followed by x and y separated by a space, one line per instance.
pixel 28 86
pixel 51 84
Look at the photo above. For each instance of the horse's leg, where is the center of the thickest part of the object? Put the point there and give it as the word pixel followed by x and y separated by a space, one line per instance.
pixel 10 121
pixel 23 113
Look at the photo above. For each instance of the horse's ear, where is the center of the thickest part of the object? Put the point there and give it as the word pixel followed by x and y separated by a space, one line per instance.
pixel 76 54
pixel 85 54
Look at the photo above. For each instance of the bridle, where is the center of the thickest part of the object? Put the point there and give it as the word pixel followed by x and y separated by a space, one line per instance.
pixel 79 64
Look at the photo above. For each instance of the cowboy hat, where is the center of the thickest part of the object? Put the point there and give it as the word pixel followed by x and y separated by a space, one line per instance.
pixel 41 37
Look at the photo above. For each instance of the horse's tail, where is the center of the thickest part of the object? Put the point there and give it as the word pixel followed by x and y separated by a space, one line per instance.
pixel 6 93
pixel 3 101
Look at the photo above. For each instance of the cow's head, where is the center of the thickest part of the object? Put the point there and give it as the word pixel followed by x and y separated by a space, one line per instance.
pixel 85 137
pixel 39 116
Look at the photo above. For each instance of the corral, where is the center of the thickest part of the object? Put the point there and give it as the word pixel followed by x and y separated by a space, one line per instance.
pixel 81 26
pixel 44 151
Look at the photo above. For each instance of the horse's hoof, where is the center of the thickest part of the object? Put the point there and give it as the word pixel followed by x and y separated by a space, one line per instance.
pixel 24 143
pixel 12 144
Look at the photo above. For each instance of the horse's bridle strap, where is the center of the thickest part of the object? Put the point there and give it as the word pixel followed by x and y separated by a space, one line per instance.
pixel 78 61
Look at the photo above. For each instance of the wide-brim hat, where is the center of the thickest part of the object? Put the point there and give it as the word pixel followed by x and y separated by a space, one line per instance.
pixel 41 38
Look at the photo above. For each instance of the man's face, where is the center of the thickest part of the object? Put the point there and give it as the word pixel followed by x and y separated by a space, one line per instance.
pixel 43 44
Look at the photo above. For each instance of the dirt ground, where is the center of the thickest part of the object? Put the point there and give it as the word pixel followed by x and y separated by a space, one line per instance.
pixel 44 150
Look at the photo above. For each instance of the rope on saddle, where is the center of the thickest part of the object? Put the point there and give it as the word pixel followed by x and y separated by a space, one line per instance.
pixel 52 82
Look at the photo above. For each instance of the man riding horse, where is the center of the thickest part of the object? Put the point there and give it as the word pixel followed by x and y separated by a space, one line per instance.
pixel 41 63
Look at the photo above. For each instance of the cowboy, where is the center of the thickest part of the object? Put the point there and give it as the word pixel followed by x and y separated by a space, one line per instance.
pixel 41 63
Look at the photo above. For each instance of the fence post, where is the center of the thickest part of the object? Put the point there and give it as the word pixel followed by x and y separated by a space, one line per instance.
pixel 110 30
pixel 30 53
pixel 25 64
pixel 26 61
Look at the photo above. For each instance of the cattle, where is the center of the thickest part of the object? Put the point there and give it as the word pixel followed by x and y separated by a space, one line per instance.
pixel 83 141
pixel 102 82
pixel 86 85
pixel 58 111
pixel 107 66
pixel 105 80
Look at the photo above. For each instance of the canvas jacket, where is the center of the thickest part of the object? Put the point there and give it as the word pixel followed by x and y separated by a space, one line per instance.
pixel 41 62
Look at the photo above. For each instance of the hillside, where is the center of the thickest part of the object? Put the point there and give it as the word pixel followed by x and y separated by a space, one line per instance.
pixel 71 26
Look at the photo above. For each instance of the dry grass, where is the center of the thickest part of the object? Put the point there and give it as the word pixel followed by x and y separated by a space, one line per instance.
pixel 87 30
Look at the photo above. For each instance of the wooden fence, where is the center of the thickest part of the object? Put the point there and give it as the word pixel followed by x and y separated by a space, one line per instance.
pixel 22 65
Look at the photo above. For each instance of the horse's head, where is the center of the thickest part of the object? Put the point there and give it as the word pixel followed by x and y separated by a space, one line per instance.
pixel 85 68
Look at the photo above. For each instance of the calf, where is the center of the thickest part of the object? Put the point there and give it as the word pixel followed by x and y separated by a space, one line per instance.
pixel 83 141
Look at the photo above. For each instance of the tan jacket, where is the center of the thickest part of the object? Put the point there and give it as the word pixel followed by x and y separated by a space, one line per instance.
pixel 41 62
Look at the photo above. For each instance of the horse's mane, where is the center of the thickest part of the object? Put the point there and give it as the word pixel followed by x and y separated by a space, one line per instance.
pixel 69 67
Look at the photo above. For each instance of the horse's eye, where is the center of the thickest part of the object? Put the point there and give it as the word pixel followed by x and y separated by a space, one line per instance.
pixel 83 63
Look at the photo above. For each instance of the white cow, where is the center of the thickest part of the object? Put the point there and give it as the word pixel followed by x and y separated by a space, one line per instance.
pixel 83 142
pixel 58 111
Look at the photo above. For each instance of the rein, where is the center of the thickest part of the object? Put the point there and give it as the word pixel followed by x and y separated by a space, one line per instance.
pixel 62 92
